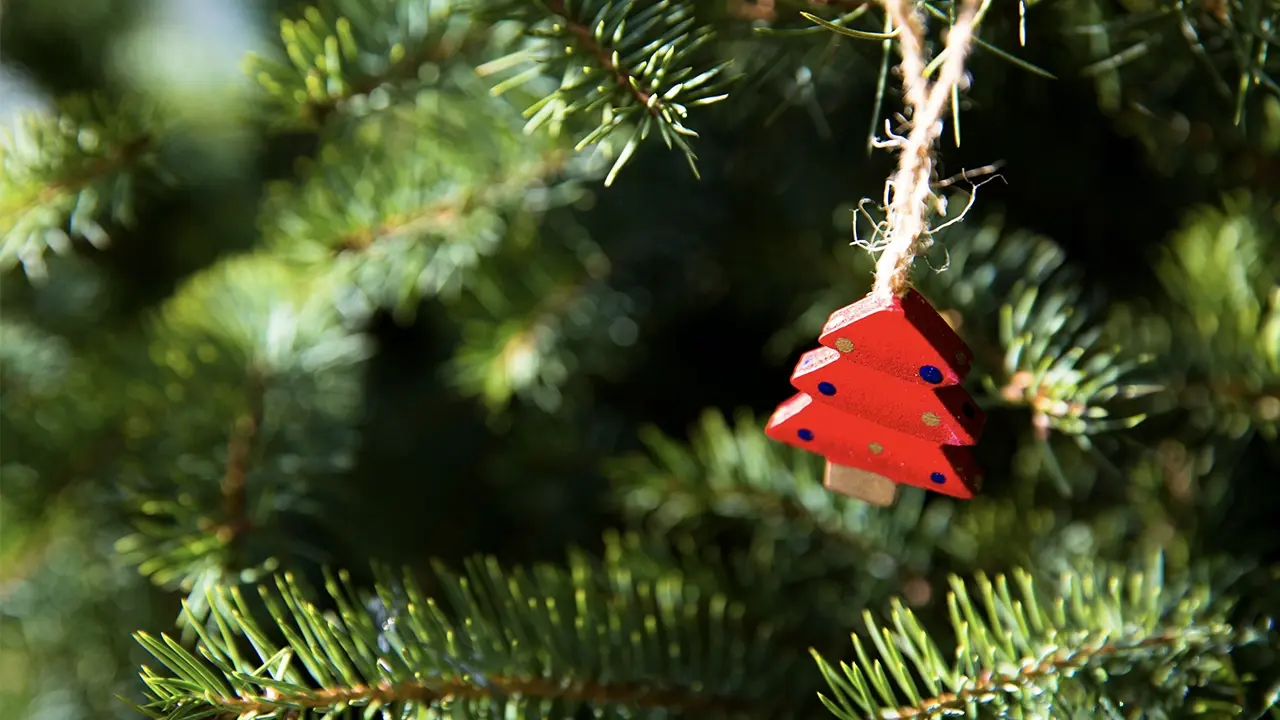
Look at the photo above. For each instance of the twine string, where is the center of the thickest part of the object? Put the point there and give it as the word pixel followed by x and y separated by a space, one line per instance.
pixel 908 189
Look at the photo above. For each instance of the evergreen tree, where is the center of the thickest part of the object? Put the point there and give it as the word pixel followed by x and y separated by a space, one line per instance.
pixel 410 358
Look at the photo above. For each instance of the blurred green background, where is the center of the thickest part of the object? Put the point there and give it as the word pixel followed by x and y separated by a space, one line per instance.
pixel 534 343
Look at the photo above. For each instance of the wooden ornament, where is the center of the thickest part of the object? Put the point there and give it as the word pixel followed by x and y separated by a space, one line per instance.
pixel 899 338
pixel 853 441
pixel 882 402
pixel 869 487
pixel 946 415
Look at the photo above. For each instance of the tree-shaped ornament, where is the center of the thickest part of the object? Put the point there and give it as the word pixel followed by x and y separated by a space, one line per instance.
pixel 883 404
pixel 881 400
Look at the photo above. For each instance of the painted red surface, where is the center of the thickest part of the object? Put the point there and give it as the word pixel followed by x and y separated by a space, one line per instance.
pixel 847 440
pixel 898 338
pixel 883 395
pixel 852 388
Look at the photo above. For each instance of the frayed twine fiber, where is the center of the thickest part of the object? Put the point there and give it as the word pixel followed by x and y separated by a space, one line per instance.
pixel 907 220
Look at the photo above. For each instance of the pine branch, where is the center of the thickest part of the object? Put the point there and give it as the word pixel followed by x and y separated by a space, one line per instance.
pixel 447 693
pixel 636 65
pixel 249 358
pixel 1228 47
pixel 505 356
pixel 60 172
pixel 735 472
pixel 235 479
pixel 57 410
pixel 114 161
pixel 339 52
pixel 1087 642
pixel 1051 350
pixel 1224 277
pixel 400 226
pixel 547 640
pixel 540 317
pixel 1056 364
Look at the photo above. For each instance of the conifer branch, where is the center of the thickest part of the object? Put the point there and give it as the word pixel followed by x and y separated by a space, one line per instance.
pixel 522 356
pixel 730 469
pixel 428 693
pixel 1048 350
pixel 329 58
pixel 431 219
pixel 446 216
pixel 226 356
pixel 1058 665
pixel 587 41
pixel 116 160
pixel 588 635
pixel 235 480
pixel 734 471
pixel 318 111
pixel 403 225
pixel 1025 652
pixel 635 65
pixel 63 169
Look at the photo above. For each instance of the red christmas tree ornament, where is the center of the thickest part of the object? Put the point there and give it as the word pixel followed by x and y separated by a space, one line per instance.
pixel 882 402
pixel 887 408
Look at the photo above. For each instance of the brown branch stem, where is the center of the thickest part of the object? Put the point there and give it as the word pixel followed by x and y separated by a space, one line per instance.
pixel 440 214
pixel 990 682
pixel 421 220
pixel 462 689
pixel 239 447
pixel 603 56
pixel 126 155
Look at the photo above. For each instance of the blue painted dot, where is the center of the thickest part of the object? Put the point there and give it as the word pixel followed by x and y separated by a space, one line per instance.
pixel 826 388
pixel 938 478
pixel 930 374
pixel 805 434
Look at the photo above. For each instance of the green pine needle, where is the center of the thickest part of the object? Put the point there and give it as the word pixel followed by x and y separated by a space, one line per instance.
pixel 636 68
pixel 535 319
pixel 403 226
pixel 541 642
pixel 1227 46
pixel 352 55
pixel 72 173
pixel 1026 648
pixel 1224 277
pixel 735 472
pixel 217 454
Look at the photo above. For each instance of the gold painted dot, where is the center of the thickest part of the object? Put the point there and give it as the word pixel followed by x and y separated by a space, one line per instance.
pixel 875 448
pixel 931 419
pixel 844 345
